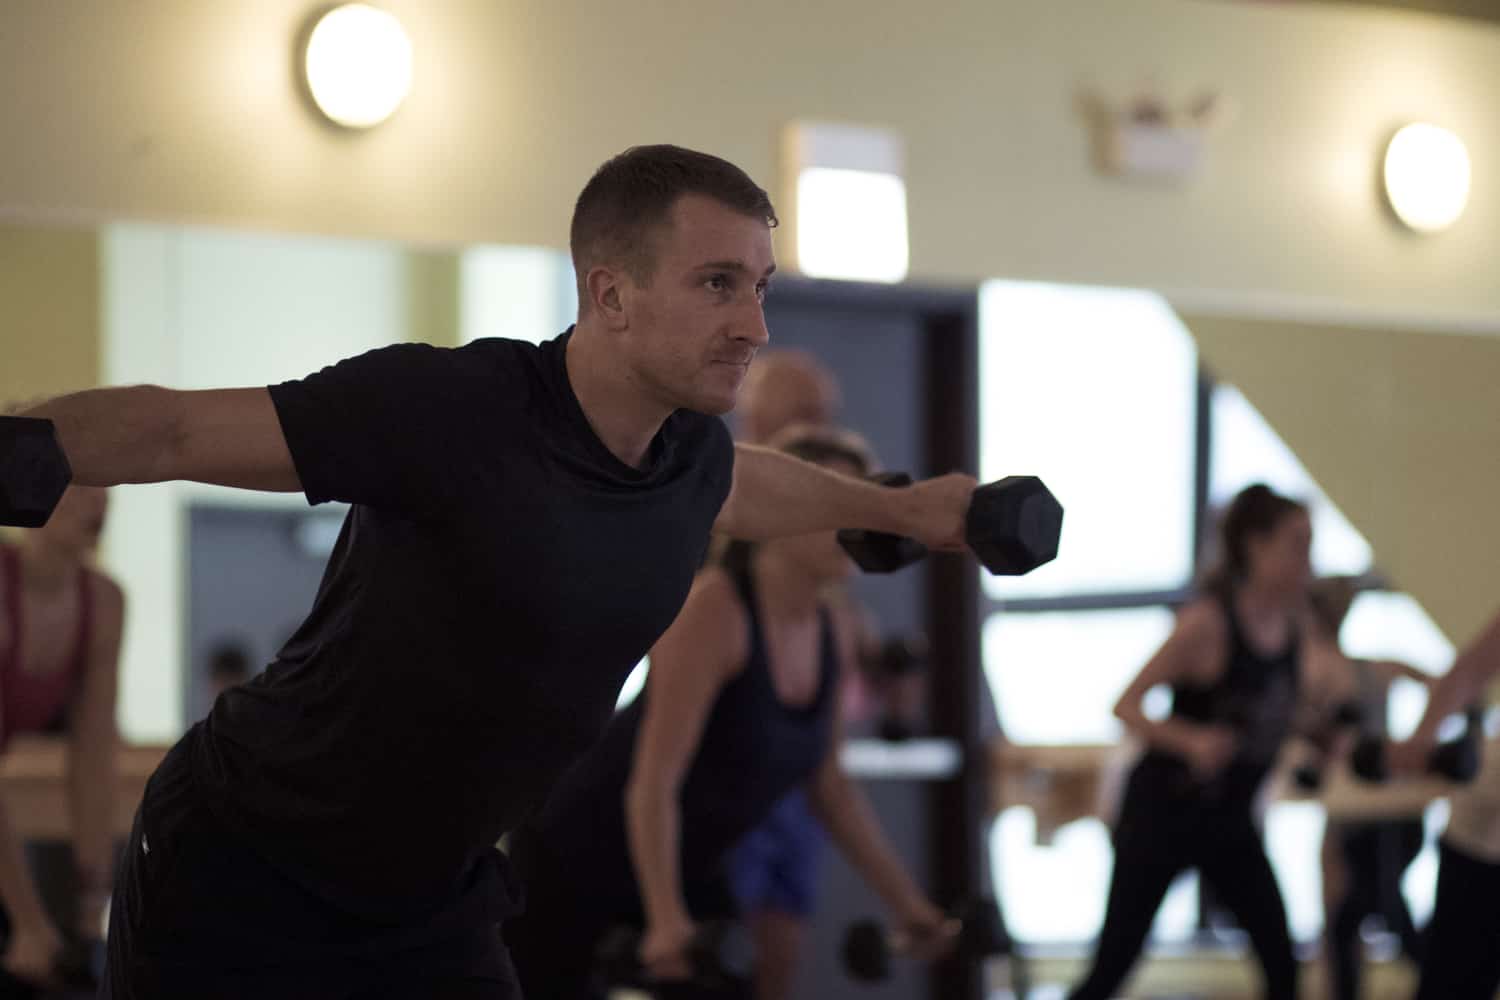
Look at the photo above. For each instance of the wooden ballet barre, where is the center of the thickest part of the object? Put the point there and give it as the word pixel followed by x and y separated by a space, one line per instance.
pixel 34 785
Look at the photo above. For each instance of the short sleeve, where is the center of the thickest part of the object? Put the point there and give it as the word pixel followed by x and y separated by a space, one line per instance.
pixel 395 427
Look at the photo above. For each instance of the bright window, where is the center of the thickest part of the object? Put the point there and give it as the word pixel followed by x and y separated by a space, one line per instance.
pixel 1393 626
pixel 1246 450
pixel 1056 675
pixel 1093 389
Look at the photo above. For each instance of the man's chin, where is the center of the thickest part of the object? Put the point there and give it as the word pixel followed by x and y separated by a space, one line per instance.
pixel 715 404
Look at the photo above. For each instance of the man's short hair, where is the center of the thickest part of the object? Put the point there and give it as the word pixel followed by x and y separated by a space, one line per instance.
pixel 633 193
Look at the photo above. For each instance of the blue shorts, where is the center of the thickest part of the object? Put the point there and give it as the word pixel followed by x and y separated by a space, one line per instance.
pixel 775 865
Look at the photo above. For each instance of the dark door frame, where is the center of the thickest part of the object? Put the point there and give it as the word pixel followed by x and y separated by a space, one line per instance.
pixel 949 318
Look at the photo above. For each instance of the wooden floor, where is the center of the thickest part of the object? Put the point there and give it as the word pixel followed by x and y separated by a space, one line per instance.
pixel 1200 977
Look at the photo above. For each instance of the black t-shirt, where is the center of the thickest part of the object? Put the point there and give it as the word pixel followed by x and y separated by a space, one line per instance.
pixel 497 578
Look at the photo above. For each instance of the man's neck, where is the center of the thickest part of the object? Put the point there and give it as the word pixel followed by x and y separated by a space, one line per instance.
pixel 621 412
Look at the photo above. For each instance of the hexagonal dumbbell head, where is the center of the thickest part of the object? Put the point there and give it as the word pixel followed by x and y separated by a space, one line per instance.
pixel 983 933
pixel 1014 525
pixel 876 551
pixel 1368 761
pixel 34 472
pixel 866 954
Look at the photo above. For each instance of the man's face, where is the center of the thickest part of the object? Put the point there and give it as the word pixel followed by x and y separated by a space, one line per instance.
pixel 694 329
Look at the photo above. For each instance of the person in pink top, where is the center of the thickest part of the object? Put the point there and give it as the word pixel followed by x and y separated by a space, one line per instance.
pixel 60 625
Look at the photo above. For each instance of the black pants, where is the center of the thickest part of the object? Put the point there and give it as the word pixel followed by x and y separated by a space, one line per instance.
pixel 198 914
pixel 1375 855
pixel 1156 840
pixel 1463 937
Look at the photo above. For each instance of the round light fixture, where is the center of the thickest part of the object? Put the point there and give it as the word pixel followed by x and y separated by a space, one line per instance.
pixel 358 65
pixel 1427 176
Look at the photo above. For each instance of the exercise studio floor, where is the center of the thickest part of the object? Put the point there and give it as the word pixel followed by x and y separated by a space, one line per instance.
pixel 1200 977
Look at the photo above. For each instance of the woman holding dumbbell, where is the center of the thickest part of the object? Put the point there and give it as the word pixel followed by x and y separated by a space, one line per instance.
pixel 738 710
pixel 1232 666
pixel 60 623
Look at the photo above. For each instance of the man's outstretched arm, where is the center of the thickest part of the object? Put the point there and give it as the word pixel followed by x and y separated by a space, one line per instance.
pixel 147 434
pixel 775 495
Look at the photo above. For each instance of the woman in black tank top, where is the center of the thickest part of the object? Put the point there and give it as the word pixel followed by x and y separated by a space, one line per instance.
pixel 1232 666
pixel 738 710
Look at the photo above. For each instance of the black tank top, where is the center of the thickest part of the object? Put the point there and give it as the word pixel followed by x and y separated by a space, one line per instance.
pixel 1256 696
pixel 753 751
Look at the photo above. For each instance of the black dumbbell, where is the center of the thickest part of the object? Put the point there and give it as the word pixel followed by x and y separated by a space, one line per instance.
pixel 879 551
pixel 34 472
pixel 898 656
pixel 1456 759
pixel 1308 778
pixel 869 947
pixel 1013 526
pixel 1346 715
pixel 719 957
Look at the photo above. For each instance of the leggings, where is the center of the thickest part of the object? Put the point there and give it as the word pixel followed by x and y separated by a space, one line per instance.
pixel 1463 937
pixel 1375 855
pixel 1154 843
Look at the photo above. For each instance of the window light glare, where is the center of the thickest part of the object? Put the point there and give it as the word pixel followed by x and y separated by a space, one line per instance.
pixel 851 224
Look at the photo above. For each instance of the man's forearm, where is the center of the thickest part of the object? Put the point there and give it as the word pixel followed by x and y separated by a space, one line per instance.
pixel 114 436
pixel 776 495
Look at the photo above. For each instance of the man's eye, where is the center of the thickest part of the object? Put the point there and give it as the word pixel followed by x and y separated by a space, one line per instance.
pixel 717 283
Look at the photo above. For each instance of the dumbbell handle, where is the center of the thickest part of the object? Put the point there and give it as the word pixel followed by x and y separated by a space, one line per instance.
pixel 704 953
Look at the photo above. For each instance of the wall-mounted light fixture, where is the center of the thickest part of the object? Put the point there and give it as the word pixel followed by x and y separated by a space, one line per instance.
pixel 358 65
pixel 1426 177
pixel 844 201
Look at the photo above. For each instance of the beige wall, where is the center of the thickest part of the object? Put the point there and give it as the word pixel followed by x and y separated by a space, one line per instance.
pixel 49 312
pixel 178 110
pixel 1402 430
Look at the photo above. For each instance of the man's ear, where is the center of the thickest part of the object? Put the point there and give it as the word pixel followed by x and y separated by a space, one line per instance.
pixel 608 296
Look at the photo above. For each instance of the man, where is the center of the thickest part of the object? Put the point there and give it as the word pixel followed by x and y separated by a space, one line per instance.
pixel 526 522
